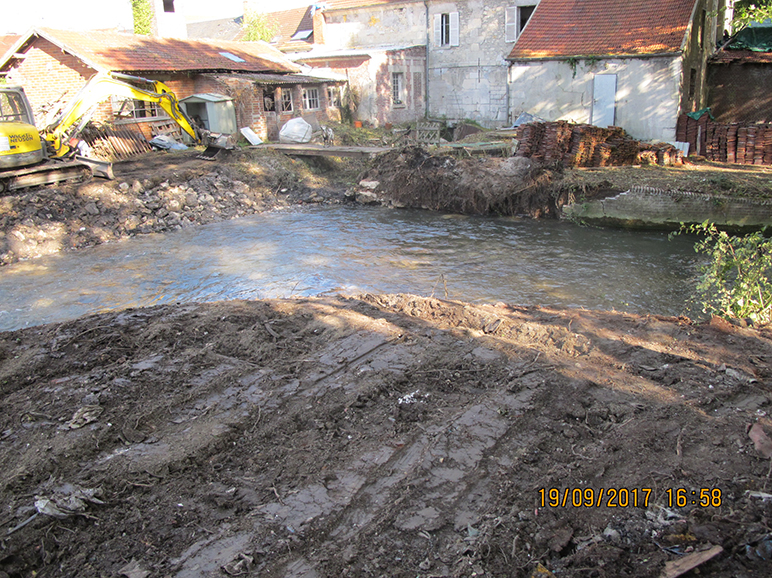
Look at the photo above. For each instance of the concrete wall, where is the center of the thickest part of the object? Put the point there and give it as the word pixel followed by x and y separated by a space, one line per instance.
pixel 647 208
pixel 647 99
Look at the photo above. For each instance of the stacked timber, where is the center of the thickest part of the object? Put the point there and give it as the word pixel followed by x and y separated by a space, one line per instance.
pixel 741 143
pixel 582 145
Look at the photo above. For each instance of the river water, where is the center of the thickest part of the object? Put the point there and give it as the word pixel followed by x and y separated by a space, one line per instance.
pixel 306 251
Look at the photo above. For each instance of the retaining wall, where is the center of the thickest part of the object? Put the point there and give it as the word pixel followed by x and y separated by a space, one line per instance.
pixel 650 208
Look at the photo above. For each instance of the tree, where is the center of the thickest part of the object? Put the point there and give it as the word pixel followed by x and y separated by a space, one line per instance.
pixel 746 12
pixel 143 16
pixel 259 27
pixel 736 281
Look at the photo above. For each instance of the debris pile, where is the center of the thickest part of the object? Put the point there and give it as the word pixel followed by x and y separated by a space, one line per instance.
pixel 582 145
pixel 412 177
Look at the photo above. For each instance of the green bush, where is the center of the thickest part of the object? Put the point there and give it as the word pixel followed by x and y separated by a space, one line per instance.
pixel 735 282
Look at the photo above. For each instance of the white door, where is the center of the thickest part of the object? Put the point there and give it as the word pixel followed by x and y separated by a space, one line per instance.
pixel 604 93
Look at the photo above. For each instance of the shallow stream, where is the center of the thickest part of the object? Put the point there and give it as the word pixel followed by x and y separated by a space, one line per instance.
pixel 321 250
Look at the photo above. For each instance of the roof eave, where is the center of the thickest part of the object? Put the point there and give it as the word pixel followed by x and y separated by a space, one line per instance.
pixel 565 57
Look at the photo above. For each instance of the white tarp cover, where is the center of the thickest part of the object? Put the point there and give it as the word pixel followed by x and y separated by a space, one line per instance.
pixel 295 130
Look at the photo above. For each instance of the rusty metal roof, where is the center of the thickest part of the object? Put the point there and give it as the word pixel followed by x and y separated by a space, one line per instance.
pixel 113 51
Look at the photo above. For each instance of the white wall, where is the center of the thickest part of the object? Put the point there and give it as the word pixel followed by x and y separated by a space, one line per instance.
pixel 647 97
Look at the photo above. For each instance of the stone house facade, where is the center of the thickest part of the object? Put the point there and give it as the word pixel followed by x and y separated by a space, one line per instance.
pixel 53 65
pixel 465 43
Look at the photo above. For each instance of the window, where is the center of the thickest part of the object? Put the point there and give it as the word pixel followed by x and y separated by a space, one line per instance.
pixel 397 88
pixel 286 100
pixel 516 17
pixel 311 98
pixel 446 29
pixel 333 96
pixel 127 108
pixel 269 99
pixel 12 108
pixel 692 82
pixel 168 5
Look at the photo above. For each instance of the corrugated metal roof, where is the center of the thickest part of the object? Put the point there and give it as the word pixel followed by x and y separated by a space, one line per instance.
pixel 206 96
pixel 566 28
pixel 287 79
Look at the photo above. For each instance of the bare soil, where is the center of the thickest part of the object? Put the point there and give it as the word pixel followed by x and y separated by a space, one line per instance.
pixel 387 435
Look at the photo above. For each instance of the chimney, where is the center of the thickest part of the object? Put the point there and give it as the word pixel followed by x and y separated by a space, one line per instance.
pixel 318 19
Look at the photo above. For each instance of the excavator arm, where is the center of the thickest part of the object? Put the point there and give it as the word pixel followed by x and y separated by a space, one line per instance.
pixel 103 86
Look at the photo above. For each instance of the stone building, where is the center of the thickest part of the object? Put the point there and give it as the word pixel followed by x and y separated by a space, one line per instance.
pixel 464 44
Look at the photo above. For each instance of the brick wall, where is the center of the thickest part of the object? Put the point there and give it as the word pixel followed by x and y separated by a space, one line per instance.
pixel 49 75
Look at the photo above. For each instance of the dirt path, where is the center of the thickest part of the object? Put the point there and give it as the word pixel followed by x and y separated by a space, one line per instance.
pixel 382 436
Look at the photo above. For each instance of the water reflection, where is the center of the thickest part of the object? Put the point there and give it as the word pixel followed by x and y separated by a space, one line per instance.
pixel 317 250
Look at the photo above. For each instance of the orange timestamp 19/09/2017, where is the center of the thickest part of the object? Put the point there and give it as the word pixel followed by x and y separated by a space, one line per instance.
pixel 625 497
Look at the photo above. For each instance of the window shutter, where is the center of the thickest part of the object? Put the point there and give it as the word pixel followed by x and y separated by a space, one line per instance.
pixel 510 24
pixel 438 29
pixel 454 32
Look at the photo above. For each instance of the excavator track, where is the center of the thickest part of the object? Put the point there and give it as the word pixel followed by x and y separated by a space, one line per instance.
pixel 47 173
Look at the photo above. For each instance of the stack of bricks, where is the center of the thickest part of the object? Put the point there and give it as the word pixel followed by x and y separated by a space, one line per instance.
pixel 746 144
pixel 584 145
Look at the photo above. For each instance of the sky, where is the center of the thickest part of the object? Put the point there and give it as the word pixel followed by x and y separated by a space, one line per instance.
pixel 95 14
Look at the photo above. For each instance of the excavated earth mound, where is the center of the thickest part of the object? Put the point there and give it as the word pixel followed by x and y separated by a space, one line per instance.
pixel 386 435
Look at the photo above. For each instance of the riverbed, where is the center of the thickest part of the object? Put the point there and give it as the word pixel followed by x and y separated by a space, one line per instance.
pixel 322 250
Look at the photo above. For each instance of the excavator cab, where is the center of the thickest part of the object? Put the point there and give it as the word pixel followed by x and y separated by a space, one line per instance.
pixel 20 143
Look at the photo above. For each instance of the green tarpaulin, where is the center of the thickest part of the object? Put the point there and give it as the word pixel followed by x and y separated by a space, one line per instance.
pixel 756 38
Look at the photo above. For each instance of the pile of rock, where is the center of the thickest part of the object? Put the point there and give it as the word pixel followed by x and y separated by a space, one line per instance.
pixel 47 220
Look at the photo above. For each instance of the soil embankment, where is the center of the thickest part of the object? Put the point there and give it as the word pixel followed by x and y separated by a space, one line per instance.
pixel 383 435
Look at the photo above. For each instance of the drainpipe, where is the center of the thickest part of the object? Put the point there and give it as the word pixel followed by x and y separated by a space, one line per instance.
pixel 426 61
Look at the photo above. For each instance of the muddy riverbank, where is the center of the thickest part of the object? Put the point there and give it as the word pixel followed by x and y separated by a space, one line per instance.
pixel 383 435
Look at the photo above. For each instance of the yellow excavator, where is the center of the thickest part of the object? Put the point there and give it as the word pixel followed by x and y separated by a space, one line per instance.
pixel 29 157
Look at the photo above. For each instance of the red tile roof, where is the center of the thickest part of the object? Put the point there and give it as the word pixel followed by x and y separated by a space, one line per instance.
pixel 290 22
pixel 113 51
pixel 7 41
pixel 565 28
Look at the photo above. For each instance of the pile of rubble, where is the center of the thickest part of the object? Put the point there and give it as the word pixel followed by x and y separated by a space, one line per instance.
pixel 48 220
pixel 582 145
